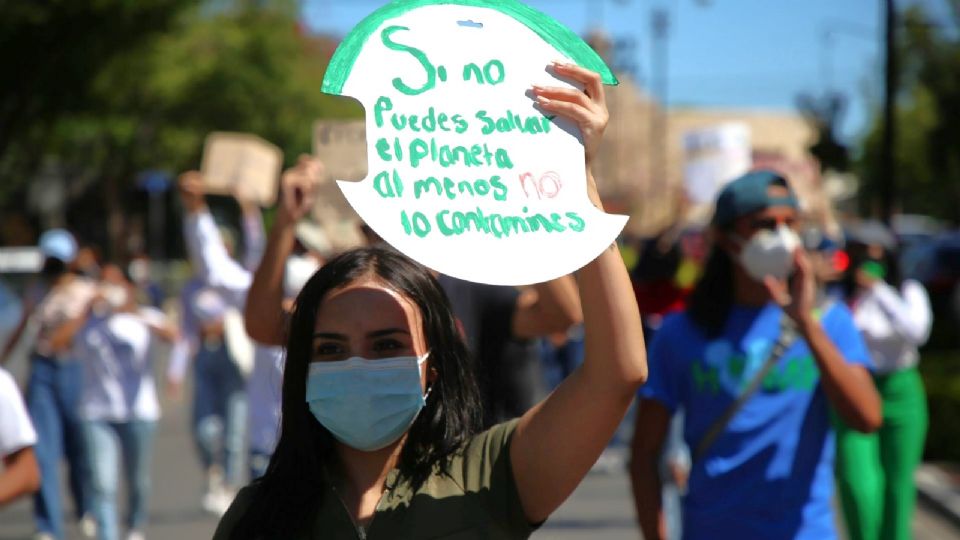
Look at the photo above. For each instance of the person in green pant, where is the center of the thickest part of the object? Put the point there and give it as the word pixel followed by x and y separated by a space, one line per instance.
pixel 875 471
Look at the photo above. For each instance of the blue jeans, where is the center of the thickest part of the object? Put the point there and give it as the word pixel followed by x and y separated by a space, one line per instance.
pixel 220 412
pixel 135 440
pixel 259 461
pixel 53 399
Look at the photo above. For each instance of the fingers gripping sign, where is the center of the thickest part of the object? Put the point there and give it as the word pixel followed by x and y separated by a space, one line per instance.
pixel 478 142
pixel 192 191
pixel 298 187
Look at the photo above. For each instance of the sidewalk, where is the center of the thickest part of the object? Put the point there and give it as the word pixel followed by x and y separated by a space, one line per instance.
pixel 938 485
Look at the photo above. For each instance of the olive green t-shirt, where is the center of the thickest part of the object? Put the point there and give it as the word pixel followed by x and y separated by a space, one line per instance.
pixel 475 498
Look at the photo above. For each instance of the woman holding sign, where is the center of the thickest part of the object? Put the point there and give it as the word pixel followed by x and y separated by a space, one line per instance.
pixel 381 412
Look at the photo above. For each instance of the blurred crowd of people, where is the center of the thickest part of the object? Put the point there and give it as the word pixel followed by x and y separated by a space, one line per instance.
pixel 731 371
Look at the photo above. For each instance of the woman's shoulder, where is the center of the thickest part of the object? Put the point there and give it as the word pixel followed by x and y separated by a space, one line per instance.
pixel 497 436
pixel 480 454
pixel 241 503
pixel 913 287
pixel 487 492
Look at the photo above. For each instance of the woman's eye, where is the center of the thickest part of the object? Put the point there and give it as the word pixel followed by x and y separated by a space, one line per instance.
pixel 388 345
pixel 326 349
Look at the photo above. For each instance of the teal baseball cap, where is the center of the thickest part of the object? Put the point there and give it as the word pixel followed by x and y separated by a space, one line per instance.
pixel 750 193
pixel 59 244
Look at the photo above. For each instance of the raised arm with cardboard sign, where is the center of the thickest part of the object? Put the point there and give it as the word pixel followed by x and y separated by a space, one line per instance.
pixel 380 434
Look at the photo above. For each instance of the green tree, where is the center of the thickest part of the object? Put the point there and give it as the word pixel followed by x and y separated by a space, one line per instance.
pixel 927 153
pixel 824 114
pixel 52 51
pixel 223 66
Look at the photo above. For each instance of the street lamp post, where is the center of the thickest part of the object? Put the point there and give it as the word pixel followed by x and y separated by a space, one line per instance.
pixel 660 23
pixel 888 178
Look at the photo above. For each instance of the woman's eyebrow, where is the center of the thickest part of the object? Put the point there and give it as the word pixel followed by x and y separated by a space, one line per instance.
pixel 387 332
pixel 329 335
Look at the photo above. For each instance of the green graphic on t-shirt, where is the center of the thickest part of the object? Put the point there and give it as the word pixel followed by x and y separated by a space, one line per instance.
pixel 795 373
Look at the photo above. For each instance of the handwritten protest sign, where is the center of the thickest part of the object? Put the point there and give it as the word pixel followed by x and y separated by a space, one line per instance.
pixel 715 155
pixel 466 175
pixel 241 164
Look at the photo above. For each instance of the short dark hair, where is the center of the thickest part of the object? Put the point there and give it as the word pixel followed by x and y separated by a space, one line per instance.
pixel 294 483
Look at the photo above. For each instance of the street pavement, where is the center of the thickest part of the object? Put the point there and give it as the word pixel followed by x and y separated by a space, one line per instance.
pixel 600 509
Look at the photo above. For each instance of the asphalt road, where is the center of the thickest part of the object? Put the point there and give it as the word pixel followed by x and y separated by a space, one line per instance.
pixel 600 509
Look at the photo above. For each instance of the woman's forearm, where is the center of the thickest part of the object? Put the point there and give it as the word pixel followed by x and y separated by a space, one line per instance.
pixel 263 313
pixel 848 387
pixel 20 477
pixel 61 339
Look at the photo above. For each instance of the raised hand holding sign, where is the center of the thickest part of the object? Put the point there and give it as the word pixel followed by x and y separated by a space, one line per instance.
pixel 476 138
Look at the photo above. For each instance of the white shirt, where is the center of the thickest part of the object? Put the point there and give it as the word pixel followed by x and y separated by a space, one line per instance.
pixel 61 304
pixel 893 323
pixel 118 383
pixel 218 270
pixel 263 393
pixel 16 430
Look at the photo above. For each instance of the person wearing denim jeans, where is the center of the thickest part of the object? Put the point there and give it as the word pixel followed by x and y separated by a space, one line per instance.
pixel 53 393
pixel 119 406
pixel 135 440
pixel 56 306
pixel 219 412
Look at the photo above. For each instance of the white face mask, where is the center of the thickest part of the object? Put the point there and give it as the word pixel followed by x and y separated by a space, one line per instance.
pixel 116 296
pixel 139 271
pixel 769 253
pixel 299 269
pixel 113 298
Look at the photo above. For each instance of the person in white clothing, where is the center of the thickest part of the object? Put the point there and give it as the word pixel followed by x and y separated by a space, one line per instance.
pixel 55 305
pixel 219 407
pixel 119 409
pixel 20 474
pixel 875 471
pixel 220 272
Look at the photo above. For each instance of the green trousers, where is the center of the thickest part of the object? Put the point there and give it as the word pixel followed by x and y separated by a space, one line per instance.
pixel 875 471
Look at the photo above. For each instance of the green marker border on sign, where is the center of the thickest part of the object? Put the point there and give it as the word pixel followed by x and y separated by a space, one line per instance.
pixel 554 33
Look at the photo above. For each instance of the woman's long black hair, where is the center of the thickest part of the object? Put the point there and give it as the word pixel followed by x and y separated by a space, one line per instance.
pixel 291 491
pixel 711 300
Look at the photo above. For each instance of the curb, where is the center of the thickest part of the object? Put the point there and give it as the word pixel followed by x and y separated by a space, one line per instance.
pixel 939 490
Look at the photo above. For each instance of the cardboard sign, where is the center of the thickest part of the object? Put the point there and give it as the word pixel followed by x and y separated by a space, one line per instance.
pixel 466 175
pixel 715 156
pixel 241 164
pixel 342 146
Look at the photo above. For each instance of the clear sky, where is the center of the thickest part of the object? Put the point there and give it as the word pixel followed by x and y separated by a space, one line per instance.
pixel 723 53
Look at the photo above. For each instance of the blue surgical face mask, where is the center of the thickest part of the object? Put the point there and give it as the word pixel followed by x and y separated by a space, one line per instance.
pixel 366 404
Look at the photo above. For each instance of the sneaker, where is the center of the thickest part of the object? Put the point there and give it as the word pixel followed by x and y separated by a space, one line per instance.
pixel 211 503
pixel 214 479
pixel 217 502
pixel 88 526
pixel 212 500
pixel 135 535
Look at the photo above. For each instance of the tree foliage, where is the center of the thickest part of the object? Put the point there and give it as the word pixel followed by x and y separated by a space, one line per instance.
pixel 147 104
pixel 824 114
pixel 53 50
pixel 927 153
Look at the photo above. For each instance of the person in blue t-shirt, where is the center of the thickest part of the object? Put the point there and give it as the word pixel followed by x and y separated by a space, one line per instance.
pixel 763 469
